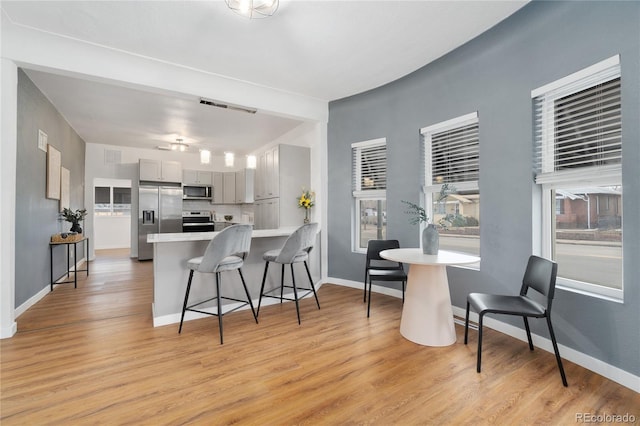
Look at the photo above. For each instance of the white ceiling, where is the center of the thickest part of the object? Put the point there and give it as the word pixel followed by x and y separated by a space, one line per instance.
pixel 320 49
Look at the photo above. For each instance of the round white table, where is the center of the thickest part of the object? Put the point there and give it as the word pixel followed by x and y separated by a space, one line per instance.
pixel 427 316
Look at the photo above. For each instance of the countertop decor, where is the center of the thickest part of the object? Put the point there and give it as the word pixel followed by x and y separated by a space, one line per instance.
pixel 305 201
pixel 74 217
pixel 430 237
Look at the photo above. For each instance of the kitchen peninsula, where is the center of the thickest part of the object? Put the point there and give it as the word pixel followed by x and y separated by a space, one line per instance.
pixel 172 250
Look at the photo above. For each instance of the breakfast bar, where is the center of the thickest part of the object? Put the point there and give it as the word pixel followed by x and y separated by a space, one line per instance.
pixel 172 250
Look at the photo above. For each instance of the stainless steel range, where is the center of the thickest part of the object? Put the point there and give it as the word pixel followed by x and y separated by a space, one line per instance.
pixel 197 221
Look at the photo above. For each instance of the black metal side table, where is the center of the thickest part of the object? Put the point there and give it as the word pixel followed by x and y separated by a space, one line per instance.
pixel 84 240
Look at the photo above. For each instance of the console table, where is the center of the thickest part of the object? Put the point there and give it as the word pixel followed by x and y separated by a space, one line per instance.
pixel 427 316
pixel 75 243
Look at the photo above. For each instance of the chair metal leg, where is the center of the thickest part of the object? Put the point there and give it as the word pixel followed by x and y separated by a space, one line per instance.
pixel 295 291
pixel 219 305
pixel 481 315
pixel 186 299
pixel 403 288
pixel 255 316
pixel 466 325
pixel 557 352
pixel 369 303
pixel 282 283
pixel 264 279
pixel 366 276
pixel 311 282
pixel 526 327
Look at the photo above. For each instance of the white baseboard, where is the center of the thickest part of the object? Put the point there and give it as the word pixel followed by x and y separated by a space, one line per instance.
pixel 611 372
pixel 42 293
pixel 7 332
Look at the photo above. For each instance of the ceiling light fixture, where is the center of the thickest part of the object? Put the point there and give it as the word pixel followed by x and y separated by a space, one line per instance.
pixel 253 8
pixel 251 161
pixel 179 145
pixel 205 156
pixel 228 159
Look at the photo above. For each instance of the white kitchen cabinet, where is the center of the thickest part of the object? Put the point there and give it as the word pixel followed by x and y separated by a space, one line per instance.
pixel 229 188
pixel 196 177
pixel 267 174
pixel 267 214
pixel 218 188
pixel 160 171
pixel 244 186
pixel 282 172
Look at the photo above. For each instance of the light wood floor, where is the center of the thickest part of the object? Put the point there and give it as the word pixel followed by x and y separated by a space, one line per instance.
pixel 91 356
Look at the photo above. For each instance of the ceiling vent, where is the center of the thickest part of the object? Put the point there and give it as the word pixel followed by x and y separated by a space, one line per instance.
pixel 227 106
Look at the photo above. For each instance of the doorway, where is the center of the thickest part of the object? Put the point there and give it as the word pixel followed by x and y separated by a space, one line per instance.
pixel 112 213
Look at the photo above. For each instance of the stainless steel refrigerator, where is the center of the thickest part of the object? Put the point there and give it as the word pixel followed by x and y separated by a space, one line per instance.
pixel 159 211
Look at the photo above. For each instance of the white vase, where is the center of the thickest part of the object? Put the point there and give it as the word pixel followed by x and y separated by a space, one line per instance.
pixel 430 239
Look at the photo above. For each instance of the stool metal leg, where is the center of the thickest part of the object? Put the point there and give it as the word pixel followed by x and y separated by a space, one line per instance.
pixel 264 279
pixel 186 299
pixel 282 283
pixel 255 316
pixel 295 292
pixel 219 305
pixel 311 282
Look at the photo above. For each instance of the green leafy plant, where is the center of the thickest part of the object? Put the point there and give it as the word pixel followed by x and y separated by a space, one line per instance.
pixel 418 213
pixel 73 216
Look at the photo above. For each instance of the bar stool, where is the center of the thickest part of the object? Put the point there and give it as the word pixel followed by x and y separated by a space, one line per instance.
pixel 295 250
pixel 225 252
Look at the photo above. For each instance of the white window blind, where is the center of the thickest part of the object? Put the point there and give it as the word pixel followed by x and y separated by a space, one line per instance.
pixel 578 126
pixel 452 151
pixel 369 166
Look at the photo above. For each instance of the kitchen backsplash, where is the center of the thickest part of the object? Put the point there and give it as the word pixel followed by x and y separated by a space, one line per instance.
pixel 241 213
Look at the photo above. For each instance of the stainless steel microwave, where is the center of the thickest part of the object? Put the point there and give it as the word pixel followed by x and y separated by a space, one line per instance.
pixel 197 192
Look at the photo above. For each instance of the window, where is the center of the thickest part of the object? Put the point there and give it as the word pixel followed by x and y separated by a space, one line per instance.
pixel 451 191
pixel 578 156
pixel 369 192
pixel 121 205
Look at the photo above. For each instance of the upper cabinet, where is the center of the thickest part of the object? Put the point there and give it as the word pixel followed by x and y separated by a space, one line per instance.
pixel 244 186
pixel 282 172
pixel 229 187
pixel 160 171
pixel 197 177
pixel 218 188
pixel 268 174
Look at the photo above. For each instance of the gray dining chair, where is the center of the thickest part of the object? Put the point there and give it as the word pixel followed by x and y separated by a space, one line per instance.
pixel 295 250
pixel 379 269
pixel 540 275
pixel 225 252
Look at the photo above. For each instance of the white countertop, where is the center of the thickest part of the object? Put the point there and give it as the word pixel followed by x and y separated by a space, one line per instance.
pixel 205 236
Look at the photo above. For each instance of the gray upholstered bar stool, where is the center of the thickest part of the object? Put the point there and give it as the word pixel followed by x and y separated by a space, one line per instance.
pixel 295 250
pixel 225 252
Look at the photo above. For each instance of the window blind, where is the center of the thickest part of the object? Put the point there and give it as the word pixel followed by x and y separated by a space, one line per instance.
pixel 578 126
pixel 369 166
pixel 455 154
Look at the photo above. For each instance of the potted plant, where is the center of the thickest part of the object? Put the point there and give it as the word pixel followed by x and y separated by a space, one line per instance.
pixel 74 217
pixel 430 237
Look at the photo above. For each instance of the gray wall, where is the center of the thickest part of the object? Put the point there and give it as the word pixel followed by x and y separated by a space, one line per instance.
pixel 36 215
pixel 494 75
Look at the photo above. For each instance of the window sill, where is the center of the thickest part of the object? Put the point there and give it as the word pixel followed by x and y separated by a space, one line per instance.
pixel 598 292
